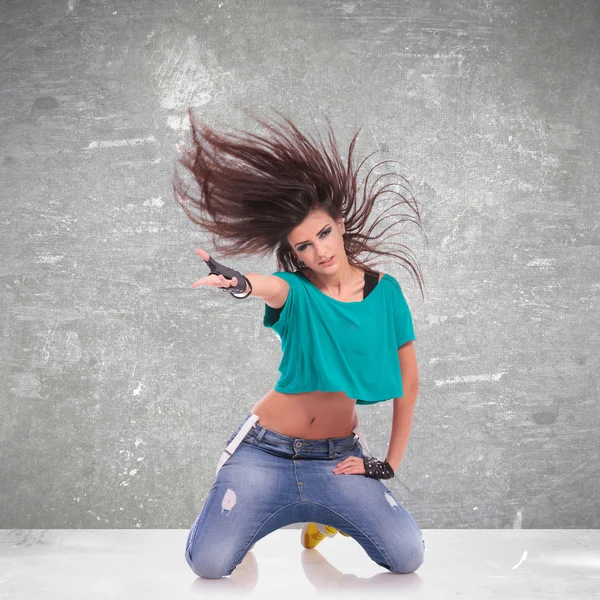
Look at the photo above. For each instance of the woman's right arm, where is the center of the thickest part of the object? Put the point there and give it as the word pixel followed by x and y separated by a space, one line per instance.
pixel 272 289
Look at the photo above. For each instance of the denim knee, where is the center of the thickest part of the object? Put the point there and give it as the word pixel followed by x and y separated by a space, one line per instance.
pixel 410 558
pixel 207 565
pixel 203 562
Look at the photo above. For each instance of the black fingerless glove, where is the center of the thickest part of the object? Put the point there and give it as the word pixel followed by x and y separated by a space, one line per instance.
pixel 219 269
pixel 377 469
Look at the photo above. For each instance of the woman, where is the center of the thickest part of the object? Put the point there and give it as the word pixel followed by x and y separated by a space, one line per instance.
pixel 347 338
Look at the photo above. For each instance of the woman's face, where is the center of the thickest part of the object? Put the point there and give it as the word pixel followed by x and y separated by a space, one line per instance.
pixel 318 238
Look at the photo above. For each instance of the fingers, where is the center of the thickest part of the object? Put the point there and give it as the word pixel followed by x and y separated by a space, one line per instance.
pixel 215 281
pixel 350 466
pixel 218 281
pixel 202 254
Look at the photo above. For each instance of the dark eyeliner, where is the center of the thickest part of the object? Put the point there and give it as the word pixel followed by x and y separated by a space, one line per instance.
pixel 326 231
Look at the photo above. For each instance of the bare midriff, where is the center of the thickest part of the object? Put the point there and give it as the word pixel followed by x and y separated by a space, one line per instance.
pixel 310 415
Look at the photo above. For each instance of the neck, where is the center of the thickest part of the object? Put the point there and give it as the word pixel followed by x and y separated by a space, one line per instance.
pixel 338 281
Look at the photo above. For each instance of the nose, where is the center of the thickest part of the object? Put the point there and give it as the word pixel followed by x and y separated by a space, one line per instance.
pixel 322 253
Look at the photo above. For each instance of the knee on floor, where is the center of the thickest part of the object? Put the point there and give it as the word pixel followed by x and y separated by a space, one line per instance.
pixel 207 566
pixel 409 558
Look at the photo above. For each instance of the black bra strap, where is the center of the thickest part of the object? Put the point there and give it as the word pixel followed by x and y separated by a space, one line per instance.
pixel 371 280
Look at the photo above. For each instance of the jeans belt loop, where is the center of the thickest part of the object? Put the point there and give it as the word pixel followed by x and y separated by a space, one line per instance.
pixel 331 448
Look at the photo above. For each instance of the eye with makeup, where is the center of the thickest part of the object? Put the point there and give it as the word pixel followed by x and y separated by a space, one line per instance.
pixel 323 234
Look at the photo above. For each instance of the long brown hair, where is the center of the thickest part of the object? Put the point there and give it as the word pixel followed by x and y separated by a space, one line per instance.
pixel 254 190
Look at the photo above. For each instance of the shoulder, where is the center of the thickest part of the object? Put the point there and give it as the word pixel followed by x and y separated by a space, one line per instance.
pixel 289 284
pixel 391 280
pixel 392 285
pixel 292 278
pixel 289 276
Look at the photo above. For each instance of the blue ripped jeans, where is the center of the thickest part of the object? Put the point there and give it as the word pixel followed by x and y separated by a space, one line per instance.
pixel 273 480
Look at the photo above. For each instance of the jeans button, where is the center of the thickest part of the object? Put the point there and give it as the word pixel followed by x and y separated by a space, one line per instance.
pixel 297 445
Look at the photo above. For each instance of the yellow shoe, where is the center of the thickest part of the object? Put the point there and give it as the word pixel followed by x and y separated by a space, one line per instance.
pixel 314 533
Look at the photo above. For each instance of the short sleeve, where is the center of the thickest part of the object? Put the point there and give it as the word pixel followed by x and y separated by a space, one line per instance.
pixel 403 323
pixel 277 317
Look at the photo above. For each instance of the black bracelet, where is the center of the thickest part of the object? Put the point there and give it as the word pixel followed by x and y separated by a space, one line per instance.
pixel 249 291
pixel 377 469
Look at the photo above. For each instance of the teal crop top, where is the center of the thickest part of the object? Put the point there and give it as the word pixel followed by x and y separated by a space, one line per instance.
pixel 330 345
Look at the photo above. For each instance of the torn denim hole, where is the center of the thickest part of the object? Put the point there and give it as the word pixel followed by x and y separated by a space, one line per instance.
pixel 229 500
pixel 391 500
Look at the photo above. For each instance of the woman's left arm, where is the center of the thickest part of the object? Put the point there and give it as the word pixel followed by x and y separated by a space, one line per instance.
pixel 404 405
pixel 401 422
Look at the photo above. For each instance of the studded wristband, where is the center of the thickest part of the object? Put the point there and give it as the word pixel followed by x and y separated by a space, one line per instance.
pixel 377 469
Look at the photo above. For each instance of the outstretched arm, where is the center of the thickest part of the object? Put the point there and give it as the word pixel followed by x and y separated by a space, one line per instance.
pixel 268 287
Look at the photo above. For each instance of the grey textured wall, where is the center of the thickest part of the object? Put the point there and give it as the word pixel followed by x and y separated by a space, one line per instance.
pixel 120 383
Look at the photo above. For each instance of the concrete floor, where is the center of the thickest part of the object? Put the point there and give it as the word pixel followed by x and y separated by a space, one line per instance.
pixel 107 563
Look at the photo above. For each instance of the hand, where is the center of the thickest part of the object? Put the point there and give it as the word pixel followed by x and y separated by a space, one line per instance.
pixel 352 465
pixel 368 466
pixel 217 281
pixel 378 469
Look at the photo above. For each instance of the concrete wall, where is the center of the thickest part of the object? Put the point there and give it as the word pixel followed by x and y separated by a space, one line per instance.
pixel 119 383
